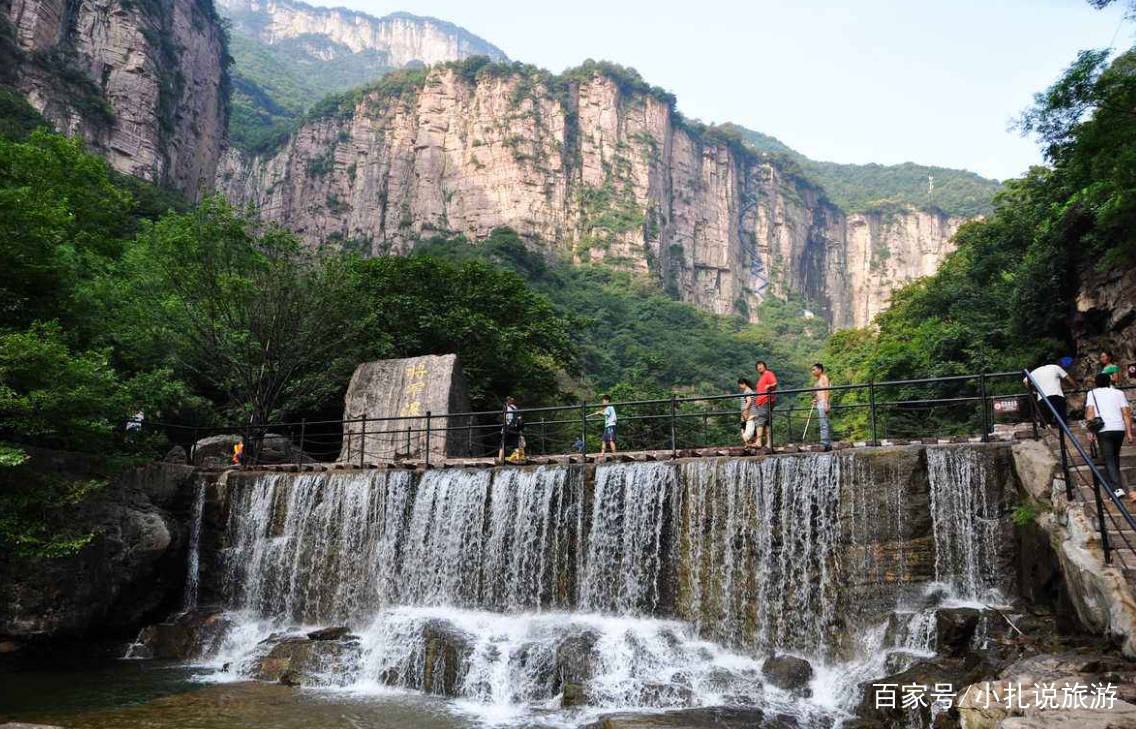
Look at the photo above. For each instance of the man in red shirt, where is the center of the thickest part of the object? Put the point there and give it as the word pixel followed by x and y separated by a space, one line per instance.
pixel 766 384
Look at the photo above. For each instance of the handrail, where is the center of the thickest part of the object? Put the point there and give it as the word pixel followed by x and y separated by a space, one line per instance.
pixel 1098 478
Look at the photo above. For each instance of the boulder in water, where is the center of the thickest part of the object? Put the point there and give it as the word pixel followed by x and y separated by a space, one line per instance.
pixel 445 650
pixel 575 656
pixel 788 672
pixel 335 633
pixel 299 661
pixel 955 628
pixel 190 635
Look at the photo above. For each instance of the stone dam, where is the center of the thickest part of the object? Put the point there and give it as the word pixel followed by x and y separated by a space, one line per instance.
pixel 560 593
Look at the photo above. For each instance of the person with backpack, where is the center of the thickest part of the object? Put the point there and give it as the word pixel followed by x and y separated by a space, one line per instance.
pixel 512 440
pixel 1109 419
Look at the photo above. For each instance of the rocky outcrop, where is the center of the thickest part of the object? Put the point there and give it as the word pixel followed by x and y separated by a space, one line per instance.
pixel 1099 592
pixel 401 38
pixel 591 165
pixel 1105 315
pixel 133 569
pixel 144 84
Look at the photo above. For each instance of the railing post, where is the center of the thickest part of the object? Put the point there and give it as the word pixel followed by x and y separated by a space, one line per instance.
pixel 674 434
pixel 303 433
pixel 584 431
pixel 1065 465
pixel 982 400
pixel 872 408
pixel 408 443
pixel 363 440
pixel 543 451
pixel 469 437
pixel 1100 518
pixel 427 439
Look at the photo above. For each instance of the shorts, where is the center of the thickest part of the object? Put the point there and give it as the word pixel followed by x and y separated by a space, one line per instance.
pixel 764 415
pixel 609 434
pixel 750 430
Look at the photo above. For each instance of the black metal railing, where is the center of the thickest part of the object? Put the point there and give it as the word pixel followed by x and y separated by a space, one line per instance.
pixel 1099 483
pixel 872 413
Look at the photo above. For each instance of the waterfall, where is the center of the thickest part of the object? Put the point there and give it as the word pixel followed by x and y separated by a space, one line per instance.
pixel 315 547
pixel 625 547
pixel 193 558
pixel 966 522
pixel 758 549
pixel 445 539
pixel 627 585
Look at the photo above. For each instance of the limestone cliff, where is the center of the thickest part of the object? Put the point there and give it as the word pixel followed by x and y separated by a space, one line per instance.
pixel 144 83
pixel 594 165
pixel 401 37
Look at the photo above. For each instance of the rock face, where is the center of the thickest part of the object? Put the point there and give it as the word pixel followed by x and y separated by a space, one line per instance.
pixel 134 567
pixel 1105 316
pixel 143 84
pixel 588 166
pixel 401 37
pixel 408 388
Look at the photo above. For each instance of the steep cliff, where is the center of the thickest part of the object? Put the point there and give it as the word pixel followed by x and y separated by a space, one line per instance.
pixel 400 37
pixel 594 165
pixel 144 83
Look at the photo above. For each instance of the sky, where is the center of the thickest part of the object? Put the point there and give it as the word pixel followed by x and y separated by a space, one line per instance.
pixel 930 81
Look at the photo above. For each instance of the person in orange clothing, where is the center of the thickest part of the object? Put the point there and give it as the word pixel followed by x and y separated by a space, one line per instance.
pixel 766 384
pixel 238 453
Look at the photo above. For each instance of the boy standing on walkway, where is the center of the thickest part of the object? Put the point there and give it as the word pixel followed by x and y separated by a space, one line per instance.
pixel 608 412
pixel 766 384
pixel 823 402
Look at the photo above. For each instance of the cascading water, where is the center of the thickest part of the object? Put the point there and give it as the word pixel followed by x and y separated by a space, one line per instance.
pixel 967 524
pixel 659 585
pixel 193 560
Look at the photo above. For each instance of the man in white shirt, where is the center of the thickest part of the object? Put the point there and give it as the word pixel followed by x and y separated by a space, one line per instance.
pixel 1048 378
pixel 1111 406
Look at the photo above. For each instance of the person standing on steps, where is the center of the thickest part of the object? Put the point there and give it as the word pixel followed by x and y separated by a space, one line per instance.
pixel 766 384
pixel 749 413
pixel 1048 378
pixel 1110 405
pixel 1108 367
pixel 608 413
pixel 822 400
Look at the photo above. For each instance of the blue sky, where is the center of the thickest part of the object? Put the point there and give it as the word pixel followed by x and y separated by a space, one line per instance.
pixel 936 82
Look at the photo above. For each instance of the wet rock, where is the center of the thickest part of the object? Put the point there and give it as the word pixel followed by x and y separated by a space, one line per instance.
pixel 717 717
pixel 301 662
pixel 955 630
pixel 190 635
pixel 955 672
pixel 19 725
pixel 445 651
pixel 788 672
pixel 335 633
pixel 176 455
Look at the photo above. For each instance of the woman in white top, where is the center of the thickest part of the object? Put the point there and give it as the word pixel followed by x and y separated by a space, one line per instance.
pixel 1111 405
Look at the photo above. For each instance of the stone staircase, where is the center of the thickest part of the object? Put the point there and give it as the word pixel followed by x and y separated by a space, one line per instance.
pixel 1121 536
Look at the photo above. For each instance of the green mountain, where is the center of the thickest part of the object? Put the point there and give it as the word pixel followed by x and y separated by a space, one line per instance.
pixel 860 188
pixel 287 55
